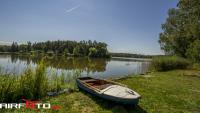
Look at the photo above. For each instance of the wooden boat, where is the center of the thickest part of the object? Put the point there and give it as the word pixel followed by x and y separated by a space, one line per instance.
pixel 108 90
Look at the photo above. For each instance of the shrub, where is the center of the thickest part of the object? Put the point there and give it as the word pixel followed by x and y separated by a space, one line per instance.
pixel 165 63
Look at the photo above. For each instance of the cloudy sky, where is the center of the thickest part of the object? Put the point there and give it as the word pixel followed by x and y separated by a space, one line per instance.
pixel 125 25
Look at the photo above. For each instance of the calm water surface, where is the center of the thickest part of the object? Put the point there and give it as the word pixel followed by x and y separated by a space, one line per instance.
pixel 100 68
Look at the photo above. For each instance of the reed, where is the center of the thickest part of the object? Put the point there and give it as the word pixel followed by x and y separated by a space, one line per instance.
pixel 34 83
pixel 165 63
pixel 8 87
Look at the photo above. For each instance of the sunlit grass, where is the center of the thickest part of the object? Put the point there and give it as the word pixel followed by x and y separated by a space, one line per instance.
pixel 162 92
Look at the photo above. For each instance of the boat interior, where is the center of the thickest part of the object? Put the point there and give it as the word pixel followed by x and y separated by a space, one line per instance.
pixel 97 83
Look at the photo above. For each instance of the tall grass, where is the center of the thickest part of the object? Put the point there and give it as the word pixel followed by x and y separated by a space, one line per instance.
pixel 33 84
pixel 40 81
pixel 8 87
pixel 164 63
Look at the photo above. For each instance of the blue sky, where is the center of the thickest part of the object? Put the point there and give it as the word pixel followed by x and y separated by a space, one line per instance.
pixel 125 25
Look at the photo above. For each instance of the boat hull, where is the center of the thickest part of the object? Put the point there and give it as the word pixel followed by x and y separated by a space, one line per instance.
pixel 107 97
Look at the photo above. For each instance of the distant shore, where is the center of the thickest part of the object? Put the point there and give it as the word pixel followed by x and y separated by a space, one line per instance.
pixel 132 58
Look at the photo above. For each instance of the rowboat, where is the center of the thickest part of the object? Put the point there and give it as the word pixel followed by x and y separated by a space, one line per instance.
pixel 108 90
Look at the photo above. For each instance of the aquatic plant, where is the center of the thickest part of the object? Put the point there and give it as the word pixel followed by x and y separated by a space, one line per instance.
pixel 34 83
pixel 165 63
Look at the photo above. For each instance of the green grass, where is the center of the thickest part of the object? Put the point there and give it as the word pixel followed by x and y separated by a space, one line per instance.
pixel 175 91
pixel 165 63
pixel 165 92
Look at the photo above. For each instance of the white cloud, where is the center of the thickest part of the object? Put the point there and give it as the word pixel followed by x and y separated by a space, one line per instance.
pixel 72 9
pixel 10 43
pixel 5 43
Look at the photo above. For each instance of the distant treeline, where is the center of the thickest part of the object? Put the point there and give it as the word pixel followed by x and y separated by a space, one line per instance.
pixel 130 55
pixel 82 48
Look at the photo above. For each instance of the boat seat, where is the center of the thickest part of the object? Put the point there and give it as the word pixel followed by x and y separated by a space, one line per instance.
pixel 102 86
pixel 90 80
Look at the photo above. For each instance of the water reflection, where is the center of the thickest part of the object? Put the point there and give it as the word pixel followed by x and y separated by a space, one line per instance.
pixel 87 66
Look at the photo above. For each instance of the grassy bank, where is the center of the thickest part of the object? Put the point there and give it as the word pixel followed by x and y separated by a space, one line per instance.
pixel 162 92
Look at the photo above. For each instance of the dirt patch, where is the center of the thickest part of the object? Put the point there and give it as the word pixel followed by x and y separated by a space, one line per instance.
pixel 147 76
pixel 192 74
pixel 87 110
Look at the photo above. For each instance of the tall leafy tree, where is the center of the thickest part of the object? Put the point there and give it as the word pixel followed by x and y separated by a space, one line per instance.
pixel 92 52
pixel 182 27
pixel 14 47
pixel 28 46
pixel 194 51
pixel 76 51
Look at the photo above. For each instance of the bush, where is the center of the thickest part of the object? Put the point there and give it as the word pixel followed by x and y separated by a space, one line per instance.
pixel 165 63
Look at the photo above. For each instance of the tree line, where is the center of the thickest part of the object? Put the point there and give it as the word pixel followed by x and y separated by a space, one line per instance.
pixel 181 31
pixel 75 48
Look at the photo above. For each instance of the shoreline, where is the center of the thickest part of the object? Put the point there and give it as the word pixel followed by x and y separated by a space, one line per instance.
pixel 114 58
pixel 161 92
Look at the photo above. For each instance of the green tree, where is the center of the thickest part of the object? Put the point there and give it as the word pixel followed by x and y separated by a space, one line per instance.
pixel 181 28
pixel 66 52
pixel 193 51
pixel 92 52
pixel 76 51
pixel 4 48
pixel 23 48
pixel 29 46
pixel 14 47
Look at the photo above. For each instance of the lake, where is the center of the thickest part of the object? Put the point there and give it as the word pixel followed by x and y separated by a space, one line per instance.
pixel 96 67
